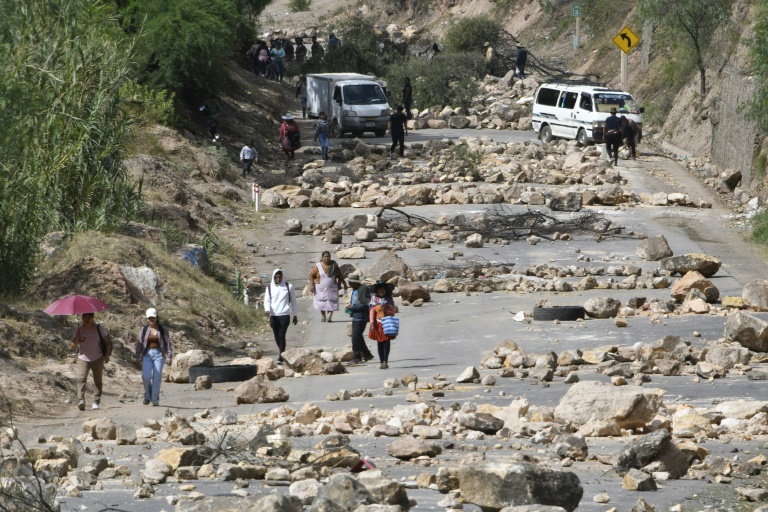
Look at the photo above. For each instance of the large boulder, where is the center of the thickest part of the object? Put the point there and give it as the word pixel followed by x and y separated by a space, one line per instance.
pixel 183 362
pixel 495 486
pixel 303 360
pixel 654 248
pixel 641 451
pixel 272 199
pixel 483 422
pixel 277 503
pixel 144 282
pixel 389 265
pixel 406 448
pixel 349 225
pixel 259 390
pixel 702 263
pixel 597 402
pixel 566 202
pixel 694 281
pixel 728 355
pixel 602 307
pixel 747 330
pixel 755 294
pixel 412 292
pixel 385 490
pixel 344 490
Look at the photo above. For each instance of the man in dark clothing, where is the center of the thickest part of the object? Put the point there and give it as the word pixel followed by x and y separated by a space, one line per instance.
pixel 333 41
pixel 612 136
pixel 407 97
pixel 520 61
pixel 359 309
pixel 316 49
pixel 211 109
pixel 398 128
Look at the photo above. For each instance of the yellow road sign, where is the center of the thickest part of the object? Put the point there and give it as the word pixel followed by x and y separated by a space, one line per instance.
pixel 626 39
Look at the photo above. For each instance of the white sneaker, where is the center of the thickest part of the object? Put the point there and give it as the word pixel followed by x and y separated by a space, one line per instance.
pixel 95 406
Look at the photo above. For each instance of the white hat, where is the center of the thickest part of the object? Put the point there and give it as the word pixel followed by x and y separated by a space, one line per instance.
pixel 288 116
pixel 151 313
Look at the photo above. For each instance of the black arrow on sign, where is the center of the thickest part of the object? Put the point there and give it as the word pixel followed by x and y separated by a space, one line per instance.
pixel 624 36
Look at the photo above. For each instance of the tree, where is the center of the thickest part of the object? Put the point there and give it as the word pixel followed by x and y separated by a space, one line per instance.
pixel 469 34
pixel 696 20
pixel 759 56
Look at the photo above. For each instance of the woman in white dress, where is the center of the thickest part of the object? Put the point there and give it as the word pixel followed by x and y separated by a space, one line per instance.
pixel 325 279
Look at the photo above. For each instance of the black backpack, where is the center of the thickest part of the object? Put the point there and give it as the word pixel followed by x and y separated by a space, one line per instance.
pixel 102 344
pixel 295 138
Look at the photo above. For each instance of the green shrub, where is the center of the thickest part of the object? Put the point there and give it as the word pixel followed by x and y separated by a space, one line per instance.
pixel 299 5
pixel 63 65
pixel 448 79
pixel 759 56
pixel 760 227
pixel 469 34
pixel 469 159
pixel 148 105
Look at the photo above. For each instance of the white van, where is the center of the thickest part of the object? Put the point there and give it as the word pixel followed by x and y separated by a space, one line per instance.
pixel 570 111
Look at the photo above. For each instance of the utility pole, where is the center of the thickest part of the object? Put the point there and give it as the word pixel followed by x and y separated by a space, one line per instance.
pixel 577 15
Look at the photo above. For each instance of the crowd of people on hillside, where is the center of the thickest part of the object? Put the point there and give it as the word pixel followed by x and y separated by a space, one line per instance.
pixel 269 59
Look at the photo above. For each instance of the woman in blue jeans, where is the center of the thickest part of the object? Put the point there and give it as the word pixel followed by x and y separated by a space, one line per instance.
pixel 323 134
pixel 153 349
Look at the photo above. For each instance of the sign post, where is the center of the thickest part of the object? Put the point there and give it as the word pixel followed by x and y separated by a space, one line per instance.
pixel 625 40
pixel 255 195
pixel 577 15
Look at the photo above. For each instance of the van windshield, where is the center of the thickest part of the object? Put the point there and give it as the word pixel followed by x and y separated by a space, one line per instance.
pixel 364 94
pixel 623 103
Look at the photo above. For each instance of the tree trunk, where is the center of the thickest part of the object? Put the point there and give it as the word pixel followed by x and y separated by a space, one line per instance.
pixel 703 89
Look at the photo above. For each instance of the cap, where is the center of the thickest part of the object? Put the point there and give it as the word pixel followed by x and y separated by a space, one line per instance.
pixel 486 44
pixel 151 313
pixel 354 277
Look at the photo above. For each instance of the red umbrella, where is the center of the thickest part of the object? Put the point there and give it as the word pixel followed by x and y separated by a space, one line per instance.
pixel 76 305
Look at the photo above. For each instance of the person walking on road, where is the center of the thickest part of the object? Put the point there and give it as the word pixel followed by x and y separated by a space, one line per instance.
pixel 153 351
pixel 520 60
pixel 248 155
pixel 316 49
pixel 359 307
pixel 325 279
pixel 301 90
pixel 382 304
pixel 612 136
pixel 408 97
pixel 211 109
pixel 279 303
pixel 398 129
pixel 94 346
pixel 289 137
pixel 323 135
pixel 278 57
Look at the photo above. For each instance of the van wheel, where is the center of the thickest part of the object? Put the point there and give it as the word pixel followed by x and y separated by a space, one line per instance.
pixel 581 138
pixel 545 134
pixel 336 130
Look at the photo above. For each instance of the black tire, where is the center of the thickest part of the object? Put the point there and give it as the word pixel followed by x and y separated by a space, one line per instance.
pixel 336 132
pixel 224 373
pixel 380 133
pixel 564 313
pixel 545 134
pixel 582 138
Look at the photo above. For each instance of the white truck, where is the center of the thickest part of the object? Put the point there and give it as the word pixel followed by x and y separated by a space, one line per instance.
pixel 353 103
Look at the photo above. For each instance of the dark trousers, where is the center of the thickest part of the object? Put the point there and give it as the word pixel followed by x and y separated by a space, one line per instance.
pixel 632 148
pixel 359 346
pixel 408 110
pixel 247 163
pixel 398 138
pixel 213 127
pixel 279 325
pixel 384 347
pixel 612 144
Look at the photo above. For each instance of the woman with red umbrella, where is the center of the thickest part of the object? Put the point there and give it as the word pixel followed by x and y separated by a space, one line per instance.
pixel 94 347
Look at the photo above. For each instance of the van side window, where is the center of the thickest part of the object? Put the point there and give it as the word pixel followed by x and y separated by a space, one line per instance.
pixel 586 101
pixel 568 100
pixel 337 94
pixel 547 97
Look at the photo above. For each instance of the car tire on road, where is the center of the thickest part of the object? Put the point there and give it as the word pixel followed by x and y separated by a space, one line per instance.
pixel 224 373
pixel 336 132
pixel 545 134
pixel 582 138
pixel 563 313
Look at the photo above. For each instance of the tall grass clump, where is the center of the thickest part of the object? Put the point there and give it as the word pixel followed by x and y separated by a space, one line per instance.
pixel 63 63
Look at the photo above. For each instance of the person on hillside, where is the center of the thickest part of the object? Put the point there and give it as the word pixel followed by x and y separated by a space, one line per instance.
pixel 323 135
pixel 382 304
pixel 490 57
pixel 211 109
pixel 289 51
pixel 153 351
pixel 325 279
pixel 612 136
pixel 398 129
pixel 94 346
pixel 628 134
pixel 263 57
pixel 289 137
pixel 316 49
pixel 408 97
pixel 278 57
pixel 520 61
pixel 301 50
pixel 279 303
pixel 359 309
pixel 301 90
pixel 248 155
pixel 253 57
pixel 333 42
